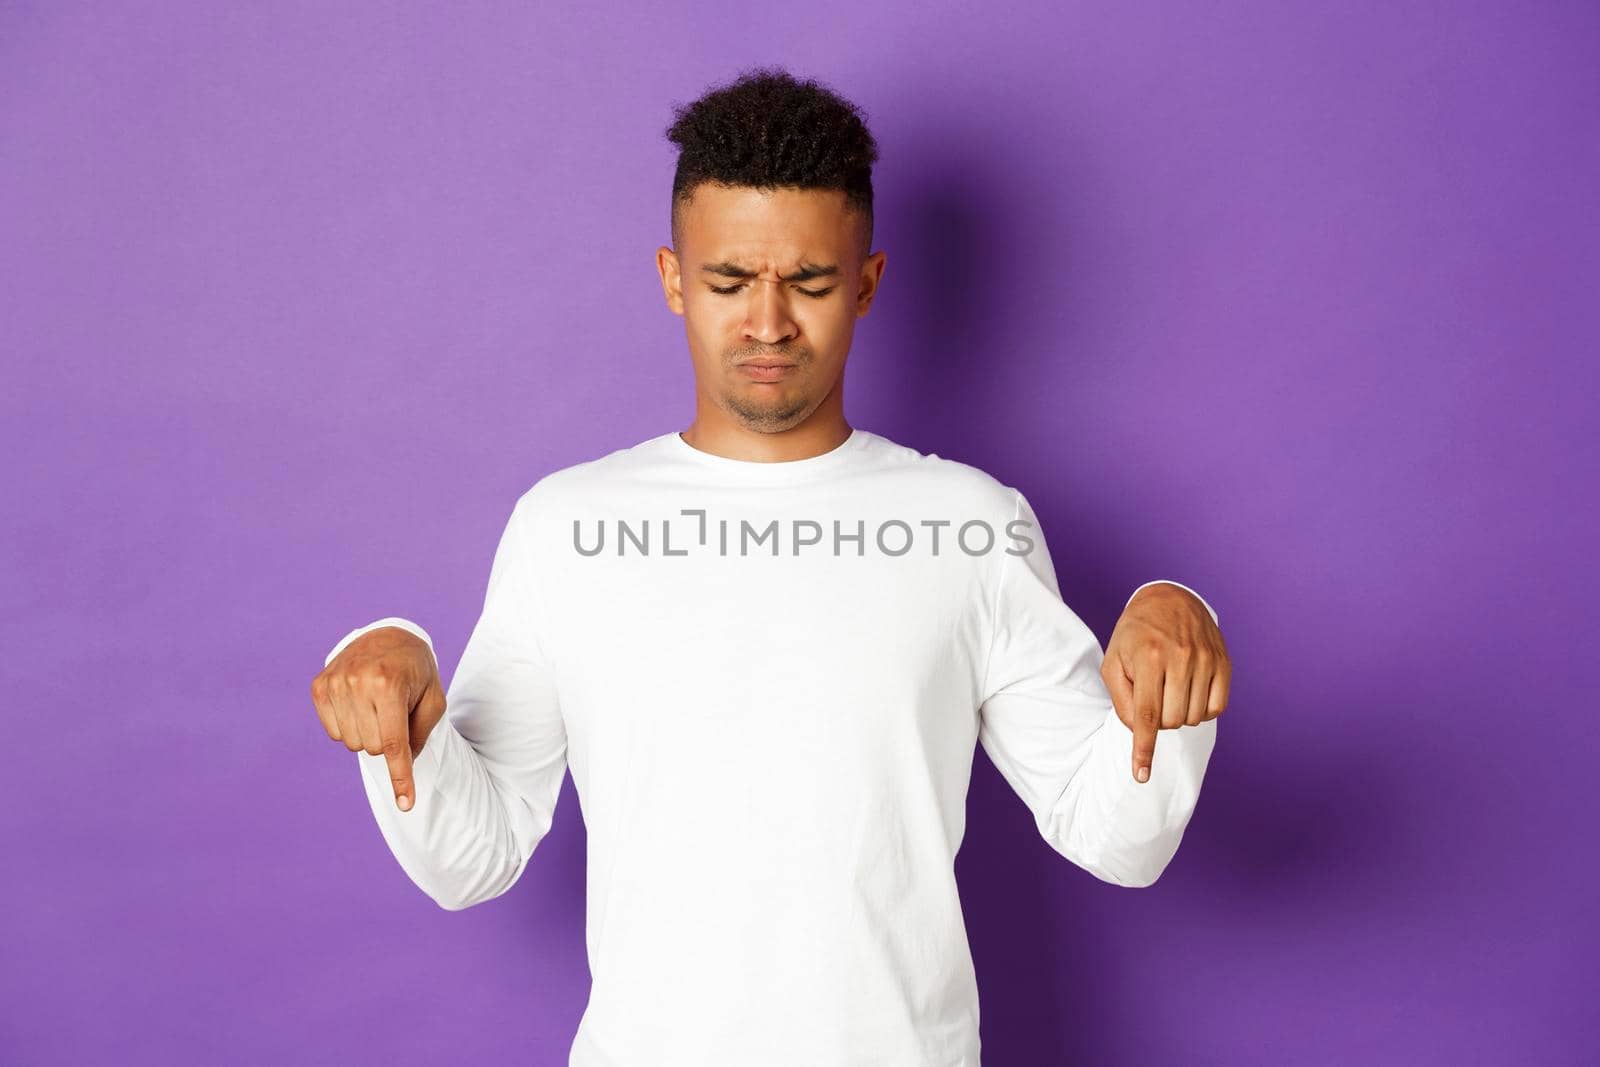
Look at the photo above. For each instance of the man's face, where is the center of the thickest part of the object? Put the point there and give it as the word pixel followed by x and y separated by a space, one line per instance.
pixel 768 276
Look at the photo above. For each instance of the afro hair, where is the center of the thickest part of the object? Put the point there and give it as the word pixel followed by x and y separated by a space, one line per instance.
pixel 769 129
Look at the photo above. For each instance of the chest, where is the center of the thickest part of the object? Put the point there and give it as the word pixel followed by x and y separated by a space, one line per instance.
pixel 761 649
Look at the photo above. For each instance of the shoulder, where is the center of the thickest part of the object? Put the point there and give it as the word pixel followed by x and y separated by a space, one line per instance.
pixel 953 483
pixel 591 480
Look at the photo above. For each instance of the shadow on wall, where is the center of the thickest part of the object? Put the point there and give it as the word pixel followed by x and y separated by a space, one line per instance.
pixel 1335 855
pixel 981 273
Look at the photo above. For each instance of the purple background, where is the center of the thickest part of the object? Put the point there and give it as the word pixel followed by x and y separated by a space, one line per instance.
pixel 1295 306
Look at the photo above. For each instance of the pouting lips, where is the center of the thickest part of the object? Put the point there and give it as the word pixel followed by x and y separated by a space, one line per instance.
pixel 765 372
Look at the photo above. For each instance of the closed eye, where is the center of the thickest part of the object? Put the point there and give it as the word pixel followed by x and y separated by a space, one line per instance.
pixel 814 293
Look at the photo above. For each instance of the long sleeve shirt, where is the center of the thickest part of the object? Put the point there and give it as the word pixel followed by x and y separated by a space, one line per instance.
pixel 767 681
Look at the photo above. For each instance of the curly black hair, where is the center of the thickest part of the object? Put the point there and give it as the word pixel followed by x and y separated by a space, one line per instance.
pixel 768 129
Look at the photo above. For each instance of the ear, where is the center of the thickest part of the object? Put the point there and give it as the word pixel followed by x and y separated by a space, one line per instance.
pixel 871 274
pixel 671 278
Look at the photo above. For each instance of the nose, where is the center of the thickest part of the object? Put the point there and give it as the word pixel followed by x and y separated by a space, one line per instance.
pixel 768 320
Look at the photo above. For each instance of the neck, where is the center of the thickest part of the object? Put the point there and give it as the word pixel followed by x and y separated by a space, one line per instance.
pixel 715 432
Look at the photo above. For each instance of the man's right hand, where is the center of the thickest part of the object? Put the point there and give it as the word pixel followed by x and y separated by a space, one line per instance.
pixel 381 694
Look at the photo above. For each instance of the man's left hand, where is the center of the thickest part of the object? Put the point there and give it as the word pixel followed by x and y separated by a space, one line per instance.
pixel 1166 666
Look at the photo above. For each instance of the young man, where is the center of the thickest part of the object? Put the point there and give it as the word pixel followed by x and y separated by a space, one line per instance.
pixel 766 648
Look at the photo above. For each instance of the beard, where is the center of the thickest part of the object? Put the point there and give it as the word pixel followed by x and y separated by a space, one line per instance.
pixel 770 416
pixel 767 410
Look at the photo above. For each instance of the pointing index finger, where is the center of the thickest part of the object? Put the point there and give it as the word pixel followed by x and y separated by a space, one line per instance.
pixel 1147 690
pixel 394 730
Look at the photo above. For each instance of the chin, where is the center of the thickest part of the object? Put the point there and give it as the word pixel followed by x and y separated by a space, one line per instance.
pixel 774 420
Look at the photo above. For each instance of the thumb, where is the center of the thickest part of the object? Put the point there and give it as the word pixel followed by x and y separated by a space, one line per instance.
pixel 1121 689
pixel 426 715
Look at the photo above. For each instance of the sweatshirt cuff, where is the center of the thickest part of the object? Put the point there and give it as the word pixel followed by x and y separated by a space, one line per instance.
pixel 426 770
pixel 392 620
pixel 1180 585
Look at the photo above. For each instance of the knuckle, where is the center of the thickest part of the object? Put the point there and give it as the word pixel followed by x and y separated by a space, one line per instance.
pixel 375 679
pixel 394 746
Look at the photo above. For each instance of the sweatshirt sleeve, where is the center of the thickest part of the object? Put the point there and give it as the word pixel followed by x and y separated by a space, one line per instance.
pixel 1048 724
pixel 488 776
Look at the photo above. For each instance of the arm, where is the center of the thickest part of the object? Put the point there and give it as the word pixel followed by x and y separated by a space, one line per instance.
pixel 488 776
pixel 1048 723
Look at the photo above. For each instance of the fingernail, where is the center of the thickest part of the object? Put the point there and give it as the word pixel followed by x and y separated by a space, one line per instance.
pixel 405 803
pixel 1144 774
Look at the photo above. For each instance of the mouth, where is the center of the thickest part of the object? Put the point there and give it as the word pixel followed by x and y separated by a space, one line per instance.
pixel 765 370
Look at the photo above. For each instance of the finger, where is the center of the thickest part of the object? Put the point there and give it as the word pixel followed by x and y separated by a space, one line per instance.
pixel 320 699
pixel 1178 672
pixel 1200 690
pixel 347 709
pixel 392 713
pixel 1221 681
pixel 1147 686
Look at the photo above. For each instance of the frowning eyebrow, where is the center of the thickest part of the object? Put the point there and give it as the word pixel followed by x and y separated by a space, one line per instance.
pixel 806 272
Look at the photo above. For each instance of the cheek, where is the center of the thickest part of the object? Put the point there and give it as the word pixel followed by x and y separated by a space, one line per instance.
pixel 713 316
pixel 827 326
pixel 702 328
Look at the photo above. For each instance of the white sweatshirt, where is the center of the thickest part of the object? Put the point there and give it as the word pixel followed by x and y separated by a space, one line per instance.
pixel 768 683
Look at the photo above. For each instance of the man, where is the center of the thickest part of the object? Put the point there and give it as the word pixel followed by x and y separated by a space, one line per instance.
pixel 766 648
